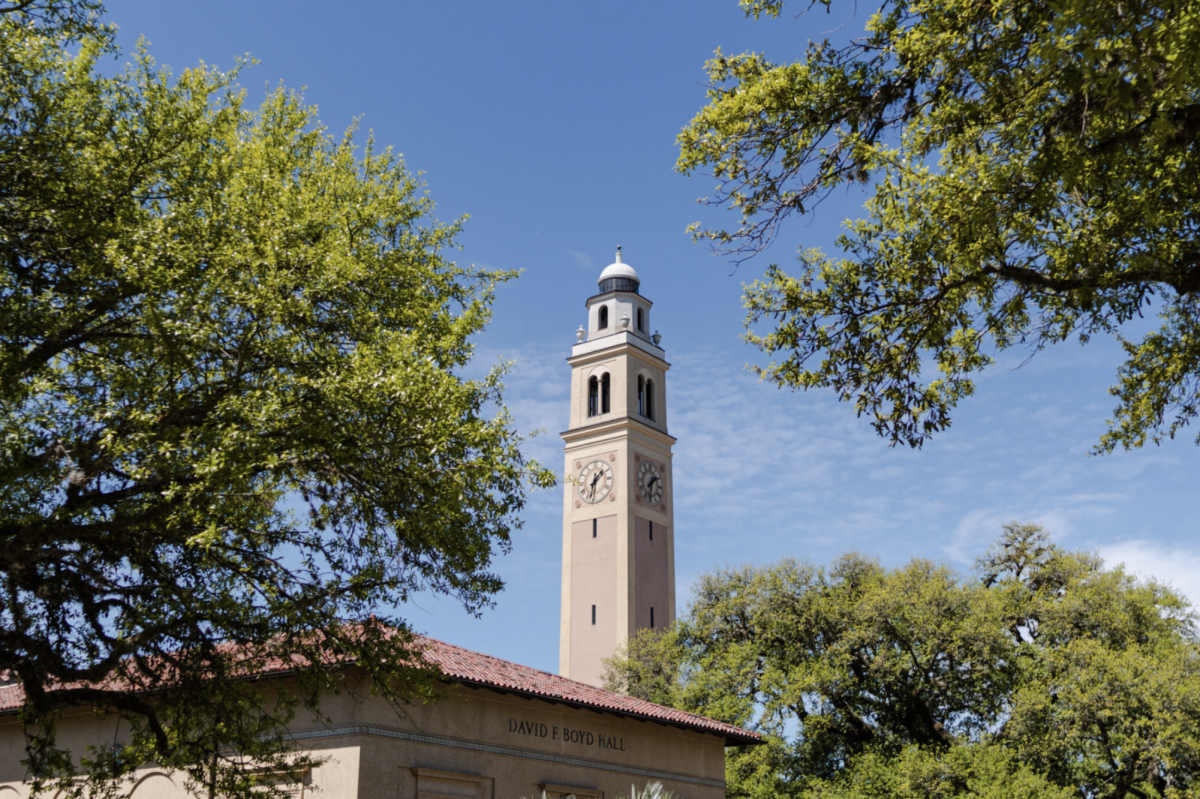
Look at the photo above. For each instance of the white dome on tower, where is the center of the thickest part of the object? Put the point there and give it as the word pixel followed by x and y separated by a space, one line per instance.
pixel 618 269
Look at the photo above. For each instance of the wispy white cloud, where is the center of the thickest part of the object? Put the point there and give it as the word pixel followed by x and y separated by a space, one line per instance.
pixel 1060 516
pixel 582 260
pixel 762 473
pixel 1176 566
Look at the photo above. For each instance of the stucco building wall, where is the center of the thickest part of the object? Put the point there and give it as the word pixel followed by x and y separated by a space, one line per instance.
pixel 476 742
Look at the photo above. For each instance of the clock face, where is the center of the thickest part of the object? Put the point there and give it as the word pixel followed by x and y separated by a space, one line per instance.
pixel 595 481
pixel 650 482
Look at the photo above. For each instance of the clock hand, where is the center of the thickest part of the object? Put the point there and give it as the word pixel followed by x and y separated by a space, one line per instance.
pixel 651 482
pixel 595 477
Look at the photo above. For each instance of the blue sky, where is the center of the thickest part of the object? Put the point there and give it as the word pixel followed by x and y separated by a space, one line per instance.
pixel 552 125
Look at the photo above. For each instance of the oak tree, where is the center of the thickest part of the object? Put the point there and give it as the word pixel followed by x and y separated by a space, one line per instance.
pixel 1043 674
pixel 235 432
pixel 1032 171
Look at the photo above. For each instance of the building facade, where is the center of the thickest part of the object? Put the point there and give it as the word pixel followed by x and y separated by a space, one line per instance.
pixel 618 568
pixel 502 731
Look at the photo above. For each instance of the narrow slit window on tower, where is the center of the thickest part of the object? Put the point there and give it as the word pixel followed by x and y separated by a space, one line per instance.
pixel 649 399
pixel 604 404
pixel 641 321
pixel 593 528
pixel 651 616
pixel 651 531
pixel 603 320
pixel 593 396
pixel 641 396
pixel 593 614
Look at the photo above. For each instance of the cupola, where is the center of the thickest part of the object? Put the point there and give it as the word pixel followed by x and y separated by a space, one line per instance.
pixel 619 307
pixel 618 276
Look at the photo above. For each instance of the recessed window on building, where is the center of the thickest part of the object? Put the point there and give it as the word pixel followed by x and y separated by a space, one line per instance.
pixel 594 527
pixel 651 530
pixel 593 614
pixel 604 394
pixel 651 616
pixel 641 396
pixel 649 414
pixel 641 321
pixel 603 320
pixel 593 396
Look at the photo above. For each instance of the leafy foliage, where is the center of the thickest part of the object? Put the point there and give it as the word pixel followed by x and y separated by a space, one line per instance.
pixel 1034 177
pixel 234 432
pixel 1046 675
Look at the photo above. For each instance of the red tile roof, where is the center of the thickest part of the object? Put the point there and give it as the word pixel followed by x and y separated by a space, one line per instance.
pixel 474 668
pixel 11 697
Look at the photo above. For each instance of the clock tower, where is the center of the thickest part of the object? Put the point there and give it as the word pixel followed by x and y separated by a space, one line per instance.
pixel 618 570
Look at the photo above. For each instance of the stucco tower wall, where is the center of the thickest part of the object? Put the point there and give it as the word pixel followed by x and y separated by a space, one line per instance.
pixel 628 575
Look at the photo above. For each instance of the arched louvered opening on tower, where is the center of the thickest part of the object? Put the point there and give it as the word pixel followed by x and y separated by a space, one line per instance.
pixel 649 399
pixel 593 396
pixel 604 394
pixel 641 396
pixel 641 321
pixel 602 322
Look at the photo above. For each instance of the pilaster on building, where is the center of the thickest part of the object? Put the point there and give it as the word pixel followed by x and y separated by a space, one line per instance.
pixel 618 528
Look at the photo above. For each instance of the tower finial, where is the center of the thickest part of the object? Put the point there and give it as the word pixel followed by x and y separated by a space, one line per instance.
pixel 619 253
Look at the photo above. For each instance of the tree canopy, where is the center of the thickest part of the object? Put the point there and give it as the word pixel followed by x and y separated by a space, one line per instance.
pixel 1043 674
pixel 1033 177
pixel 234 427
